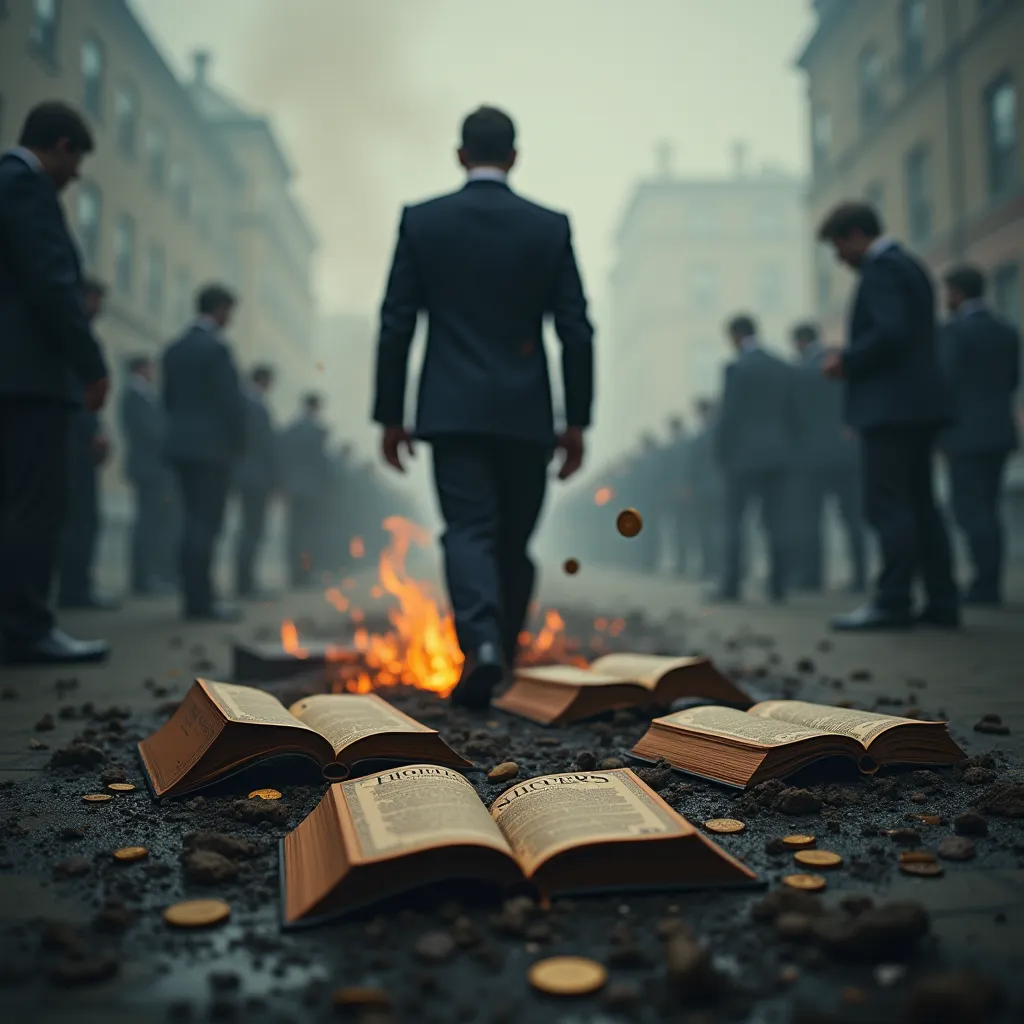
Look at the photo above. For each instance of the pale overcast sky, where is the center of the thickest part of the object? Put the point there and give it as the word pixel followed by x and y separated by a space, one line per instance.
pixel 367 96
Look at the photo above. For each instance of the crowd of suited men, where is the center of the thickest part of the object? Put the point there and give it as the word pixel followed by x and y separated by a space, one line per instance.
pixel 777 436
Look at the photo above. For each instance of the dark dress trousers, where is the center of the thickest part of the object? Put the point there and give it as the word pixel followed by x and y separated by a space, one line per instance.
pixel 980 357
pixel 486 266
pixel 255 480
pixel 47 352
pixel 82 522
pixel 896 399
pixel 755 439
pixel 827 466
pixel 205 436
pixel 305 473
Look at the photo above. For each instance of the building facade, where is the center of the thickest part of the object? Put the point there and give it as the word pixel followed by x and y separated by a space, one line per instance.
pixel 691 254
pixel 915 105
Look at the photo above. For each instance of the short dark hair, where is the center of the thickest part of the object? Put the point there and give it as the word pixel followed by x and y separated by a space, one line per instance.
pixel 806 332
pixel 93 286
pixel 743 324
pixel 262 372
pixel 139 362
pixel 488 136
pixel 311 400
pixel 846 218
pixel 213 298
pixel 968 280
pixel 48 123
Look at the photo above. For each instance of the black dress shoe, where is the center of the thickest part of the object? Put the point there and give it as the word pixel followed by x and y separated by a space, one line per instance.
pixel 942 618
pixel 868 618
pixel 481 672
pixel 221 611
pixel 57 648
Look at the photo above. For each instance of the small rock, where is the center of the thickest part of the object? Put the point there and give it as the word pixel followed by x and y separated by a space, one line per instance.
pixel 970 823
pixel 73 867
pixel 609 763
pixel 503 772
pixel 114 917
pixel 919 798
pixel 71 832
pixel 273 811
pixel 585 761
pixel 34 744
pixel 783 901
pixel 434 947
pixel 992 725
pixel 656 776
pixel 691 973
pixel 956 848
pixel 805 665
pixel 890 932
pixel 115 773
pixel 905 836
pixel 217 842
pixel 1003 800
pixel 978 776
pixel 46 723
pixel 78 754
pixel 776 847
pixel 85 971
pixel 206 867
pixel 860 675
pixel 797 801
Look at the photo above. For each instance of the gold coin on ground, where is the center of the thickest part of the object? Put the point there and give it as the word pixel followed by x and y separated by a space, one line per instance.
pixel 629 522
pixel 809 883
pixel 818 858
pixel 130 853
pixel 724 825
pixel 571 566
pixel 120 787
pixel 926 869
pixel 97 798
pixel 197 913
pixel 798 840
pixel 917 857
pixel 567 976
pixel 265 794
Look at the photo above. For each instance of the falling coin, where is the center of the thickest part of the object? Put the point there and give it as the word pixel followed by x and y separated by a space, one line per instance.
pixel 567 976
pixel 264 794
pixel 130 853
pixel 798 840
pixel 925 870
pixel 197 913
pixel 571 566
pixel 818 858
pixel 629 522
pixel 724 825
pixel 120 787
pixel 809 883
pixel 917 857
pixel 97 798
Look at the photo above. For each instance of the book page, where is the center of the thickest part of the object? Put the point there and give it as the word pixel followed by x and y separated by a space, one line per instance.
pixel 415 808
pixel 862 726
pixel 343 718
pixel 571 675
pixel 645 669
pixel 544 816
pixel 731 724
pixel 249 705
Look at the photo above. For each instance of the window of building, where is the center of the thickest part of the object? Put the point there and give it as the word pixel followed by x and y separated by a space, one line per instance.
pixel 124 254
pixel 768 286
pixel 156 157
pixel 874 194
pixel 1006 292
pixel 92 77
pixel 821 137
pixel 919 193
pixel 703 288
pixel 1001 118
pixel 156 269
pixel 88 214
pixel 913 25
pixel 870 74
pixel 45 27
pixel 181 188
pixel 126 117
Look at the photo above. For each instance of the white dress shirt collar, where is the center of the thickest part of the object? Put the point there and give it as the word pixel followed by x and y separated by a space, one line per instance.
pixel 207 323
pixel 880 245
pixel 969 306
pixel 26 156
pixel 487 174
pixel 751 343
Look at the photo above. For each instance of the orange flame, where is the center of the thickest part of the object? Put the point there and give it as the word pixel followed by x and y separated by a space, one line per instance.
pixel 603 495
pixel 356 548
pixel 290 640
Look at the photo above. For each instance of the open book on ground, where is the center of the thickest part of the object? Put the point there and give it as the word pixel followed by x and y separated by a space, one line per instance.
pixel 396 831
pixel 557 694
pixel 221 728
pixel 777 737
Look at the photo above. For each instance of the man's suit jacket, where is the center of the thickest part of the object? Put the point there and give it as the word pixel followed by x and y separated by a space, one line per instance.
pixel 821 440
pixel 756 429
pixel 980 356
pixel 486 266
pixel 890 363
pixel 47 349
pixel 257 471
pixel 143 428
pixel 203 401
pixel 304 464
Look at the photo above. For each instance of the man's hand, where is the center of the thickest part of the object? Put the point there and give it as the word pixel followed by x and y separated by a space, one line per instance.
pixel 571 442
pixel 391 443
pixel 100 449
pixel 94 395
pixel 832 366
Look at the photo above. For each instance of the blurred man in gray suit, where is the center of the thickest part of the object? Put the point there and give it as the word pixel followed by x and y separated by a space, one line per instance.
pixel 755 439
pixel 980 357
pixel 206 418
pixel 826 466
pixel 305 474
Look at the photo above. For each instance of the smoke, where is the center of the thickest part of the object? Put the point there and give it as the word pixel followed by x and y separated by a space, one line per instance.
pixel 339 79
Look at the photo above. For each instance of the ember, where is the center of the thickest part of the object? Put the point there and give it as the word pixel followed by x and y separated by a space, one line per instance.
pixel 603 495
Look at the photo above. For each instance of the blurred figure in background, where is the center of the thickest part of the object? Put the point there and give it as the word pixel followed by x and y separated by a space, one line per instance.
pixel 826 467
pixel 256 478
pixel 755 438
pixel 704 483
pixel 305 480
pixel 88 452
pixel 980 357
pixel 679 511
pixel 650 492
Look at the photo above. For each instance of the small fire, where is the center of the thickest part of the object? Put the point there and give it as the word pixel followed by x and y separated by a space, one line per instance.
pixel 603 495
pixel 290 640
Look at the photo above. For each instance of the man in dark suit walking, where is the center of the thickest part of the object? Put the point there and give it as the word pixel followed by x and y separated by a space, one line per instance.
pixel 487 266
pixel 305 474
pixel 896 399
pixel 256 479
pixel 826 467
pixel 50 365
pixel 755 443
pixel 205 436
pixel 980 356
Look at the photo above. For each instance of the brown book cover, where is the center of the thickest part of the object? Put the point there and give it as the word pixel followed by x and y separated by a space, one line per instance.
pixel 392 832
pixel 775 738
pixel 558 694
pixel 221 728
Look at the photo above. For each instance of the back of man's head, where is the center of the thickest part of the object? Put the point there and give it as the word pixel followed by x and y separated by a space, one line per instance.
pixel 216 302
pixel 805 334
pixel 488 139
pixel 968 280
pixel 742 326
pixel 262 375
pixel 849 219
pixel 53 124
pixel 311 403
